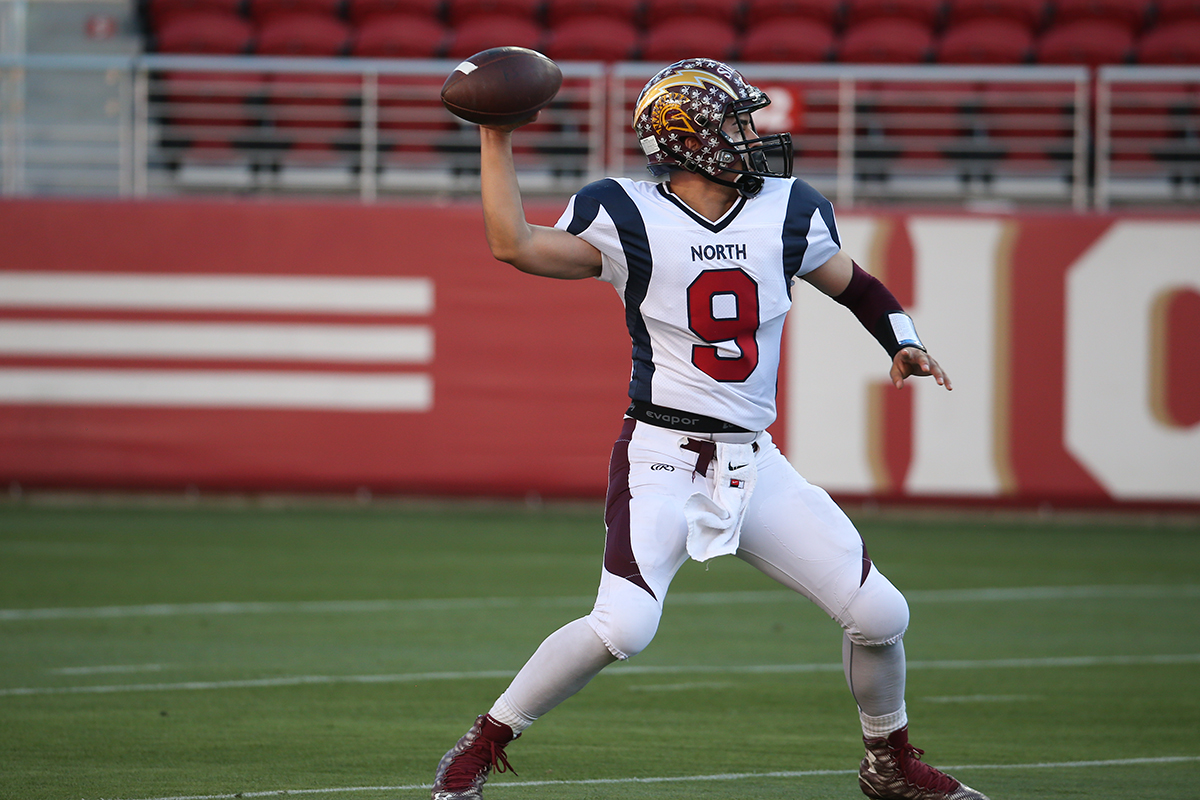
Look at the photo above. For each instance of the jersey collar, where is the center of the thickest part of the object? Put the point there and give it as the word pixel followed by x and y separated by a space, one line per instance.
pixel 716 227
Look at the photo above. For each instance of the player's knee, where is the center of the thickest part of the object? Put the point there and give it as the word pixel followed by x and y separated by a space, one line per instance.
pixel 626 628
pixel 878 614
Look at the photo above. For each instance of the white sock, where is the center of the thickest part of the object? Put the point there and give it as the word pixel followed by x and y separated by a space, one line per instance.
pixel 562 665
pixel 503 711
pixel 882 727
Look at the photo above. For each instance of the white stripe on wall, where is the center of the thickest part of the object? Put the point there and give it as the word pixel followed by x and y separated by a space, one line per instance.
pixel 201 389
pixel 217 292
pixel 393 343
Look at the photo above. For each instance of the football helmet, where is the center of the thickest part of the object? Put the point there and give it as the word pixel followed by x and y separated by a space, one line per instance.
pixel 692 99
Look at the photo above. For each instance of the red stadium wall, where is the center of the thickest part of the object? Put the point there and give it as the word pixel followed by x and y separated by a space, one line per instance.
pixel 328 347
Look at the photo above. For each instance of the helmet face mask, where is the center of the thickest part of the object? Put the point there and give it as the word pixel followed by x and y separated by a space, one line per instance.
pixel 684 118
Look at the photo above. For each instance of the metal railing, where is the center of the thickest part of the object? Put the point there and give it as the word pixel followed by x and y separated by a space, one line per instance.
pixel 158 125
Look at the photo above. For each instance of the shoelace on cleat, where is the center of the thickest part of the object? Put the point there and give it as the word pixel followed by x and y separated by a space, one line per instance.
pixel 917 773
pixel 468 765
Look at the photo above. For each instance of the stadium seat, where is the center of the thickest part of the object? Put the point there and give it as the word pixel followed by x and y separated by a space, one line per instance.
pixel 1171 43
pixel 886 41
pixel 1030 13
pixel 674 39
pixel 205 33
pixel 593 39
pixel 559 11
pixel 315 113
pixel 788 40
pixel 399 36
pixel 263 10
pixel 1130 13
pixel 159 12
pixel 1087 41
pixel 720 10
pixel 757 12
pixel 359 11
pixel 481 33
pixel 1175 10
pixel 209 113
pixel 303 35
pixel 460 11
pixel 986 41
pixel 927 12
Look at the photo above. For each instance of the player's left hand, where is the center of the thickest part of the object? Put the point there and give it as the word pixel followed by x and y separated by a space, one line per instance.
pixel 912 361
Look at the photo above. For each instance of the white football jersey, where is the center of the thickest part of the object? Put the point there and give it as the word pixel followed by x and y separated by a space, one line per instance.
pixel 705 301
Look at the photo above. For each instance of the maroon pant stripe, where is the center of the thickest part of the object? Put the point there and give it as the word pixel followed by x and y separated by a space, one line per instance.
pixel 618 550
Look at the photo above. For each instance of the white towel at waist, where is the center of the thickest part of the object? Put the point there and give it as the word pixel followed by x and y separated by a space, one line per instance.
pixel 715 523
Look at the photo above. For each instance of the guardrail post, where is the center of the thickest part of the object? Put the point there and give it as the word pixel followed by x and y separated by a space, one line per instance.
pixel 1080 161
pixel 369 155
pixel 1103 140
pixel 846 125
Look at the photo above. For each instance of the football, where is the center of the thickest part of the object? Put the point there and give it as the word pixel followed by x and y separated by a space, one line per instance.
pixel 501 86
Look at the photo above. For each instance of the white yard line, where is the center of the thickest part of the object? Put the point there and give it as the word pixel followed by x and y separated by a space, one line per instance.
pixel 735 776
pixel 993 595
pixel 616 670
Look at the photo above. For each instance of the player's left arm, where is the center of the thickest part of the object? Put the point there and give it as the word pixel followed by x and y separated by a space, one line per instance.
pixel 881 314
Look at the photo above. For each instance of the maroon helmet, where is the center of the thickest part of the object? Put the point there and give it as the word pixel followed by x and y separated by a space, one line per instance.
pixel 692 99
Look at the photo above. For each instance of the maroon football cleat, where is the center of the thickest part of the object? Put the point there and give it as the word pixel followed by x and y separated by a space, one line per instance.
pixel 462 772
pixel 893 770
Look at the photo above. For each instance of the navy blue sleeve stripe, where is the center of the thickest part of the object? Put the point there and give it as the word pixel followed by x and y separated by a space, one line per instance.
pixel 585 210
pixel 631 229
pixel 797 222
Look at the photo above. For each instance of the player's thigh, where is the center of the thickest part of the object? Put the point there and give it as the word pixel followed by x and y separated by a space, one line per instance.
pixel 796 534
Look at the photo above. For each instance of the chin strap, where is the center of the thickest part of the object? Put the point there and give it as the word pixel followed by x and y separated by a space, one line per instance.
pixel 747 185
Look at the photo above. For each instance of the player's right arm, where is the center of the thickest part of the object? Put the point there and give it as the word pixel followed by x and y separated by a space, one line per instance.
pixel 535 249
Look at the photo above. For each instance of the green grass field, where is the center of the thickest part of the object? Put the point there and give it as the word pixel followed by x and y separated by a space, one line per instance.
pixel 226 650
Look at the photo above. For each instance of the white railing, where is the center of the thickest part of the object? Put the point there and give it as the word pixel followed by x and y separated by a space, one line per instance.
pixel 159 125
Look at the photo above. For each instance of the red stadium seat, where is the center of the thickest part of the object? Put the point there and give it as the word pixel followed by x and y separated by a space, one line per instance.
pixel 720 10
pixel 1171 43
pixel 1030 13
pixel 886 41
pixel 760 11
pixel 675 39
pixel 788 40
pixel 303 35
pixel 359 11
pixel 315 113
pixel 209 113
pixel 1130 13
pixel 399 36
pixel 559 11
pixel 460 11
pixel 927 12
pixel 1175 10
pixel 263 10
pixel 162 11
pixel 986 41
pixel 1087 41
pixel 593 39
pixel 205 33
pixel 482 33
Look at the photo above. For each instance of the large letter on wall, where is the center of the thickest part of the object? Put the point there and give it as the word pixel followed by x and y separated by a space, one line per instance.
pixel 1111 298
pixel 959 301
pixel 955 434
pixel 831 363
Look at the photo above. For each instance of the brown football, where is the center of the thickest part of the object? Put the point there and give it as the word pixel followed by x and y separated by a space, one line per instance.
pixel 501 86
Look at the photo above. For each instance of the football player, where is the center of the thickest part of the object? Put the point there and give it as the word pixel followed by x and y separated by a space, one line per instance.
pixel 705 260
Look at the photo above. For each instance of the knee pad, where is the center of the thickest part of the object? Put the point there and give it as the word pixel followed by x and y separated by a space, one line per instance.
pixel 878 614
pixel 625 617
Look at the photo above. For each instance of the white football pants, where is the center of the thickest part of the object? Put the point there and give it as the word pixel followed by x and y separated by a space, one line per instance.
pixel 792 532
